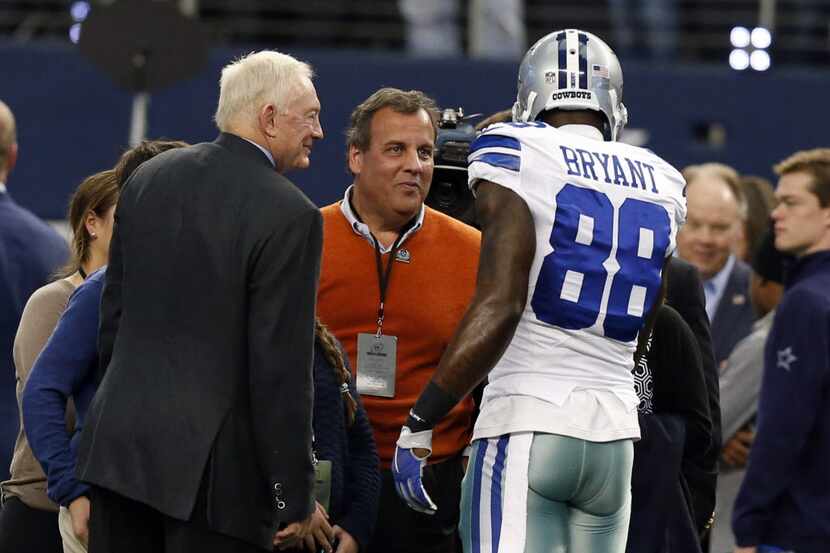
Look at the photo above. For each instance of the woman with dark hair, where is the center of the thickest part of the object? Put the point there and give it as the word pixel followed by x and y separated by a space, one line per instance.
pixel 28 519
pixel 347 474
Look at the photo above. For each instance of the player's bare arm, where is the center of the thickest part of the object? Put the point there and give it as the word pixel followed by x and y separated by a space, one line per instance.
pixel 507 249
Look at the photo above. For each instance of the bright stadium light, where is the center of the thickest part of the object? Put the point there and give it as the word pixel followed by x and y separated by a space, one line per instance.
pixel 75 33
pixel 739 36
pixel 739 59
pixel 80 11
pixel 749 49
pixel 761 38
pixel 760 60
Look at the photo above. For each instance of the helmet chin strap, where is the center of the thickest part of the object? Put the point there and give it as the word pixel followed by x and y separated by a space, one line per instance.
pixel 531 98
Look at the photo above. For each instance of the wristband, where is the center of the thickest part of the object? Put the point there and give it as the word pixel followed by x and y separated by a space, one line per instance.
pixel 432 406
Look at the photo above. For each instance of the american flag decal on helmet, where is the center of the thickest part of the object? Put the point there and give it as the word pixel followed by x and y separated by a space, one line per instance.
pixel 599 71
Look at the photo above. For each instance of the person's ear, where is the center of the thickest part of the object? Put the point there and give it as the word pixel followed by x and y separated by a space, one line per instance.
pixel 91 224
pixel 355 159
pixel 11 158
pixel 268 120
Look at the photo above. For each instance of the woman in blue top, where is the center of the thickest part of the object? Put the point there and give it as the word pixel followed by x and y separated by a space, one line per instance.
pixel 66 368
pixel 29 519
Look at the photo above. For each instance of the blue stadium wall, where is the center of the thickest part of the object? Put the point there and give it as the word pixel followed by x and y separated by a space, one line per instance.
pixel 72 121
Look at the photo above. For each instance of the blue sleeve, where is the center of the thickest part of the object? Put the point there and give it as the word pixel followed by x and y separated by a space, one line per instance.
pixel 362 478
pixel 795 369
pixel 65 362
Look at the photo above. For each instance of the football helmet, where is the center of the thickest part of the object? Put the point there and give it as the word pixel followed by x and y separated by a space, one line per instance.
pixel 571 70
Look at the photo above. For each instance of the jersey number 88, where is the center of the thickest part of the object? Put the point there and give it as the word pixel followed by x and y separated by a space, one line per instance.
pixel 571 288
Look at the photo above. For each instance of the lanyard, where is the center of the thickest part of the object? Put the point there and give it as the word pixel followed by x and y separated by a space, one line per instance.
pixel 383 276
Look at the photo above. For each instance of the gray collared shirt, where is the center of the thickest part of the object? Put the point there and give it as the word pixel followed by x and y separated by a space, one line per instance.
pixel 362 229
pixel 264 151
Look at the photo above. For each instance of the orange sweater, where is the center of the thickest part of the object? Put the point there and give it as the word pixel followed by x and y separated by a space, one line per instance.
pixel 425 301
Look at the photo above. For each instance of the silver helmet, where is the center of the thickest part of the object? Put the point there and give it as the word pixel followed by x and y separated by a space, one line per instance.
pixel 571 70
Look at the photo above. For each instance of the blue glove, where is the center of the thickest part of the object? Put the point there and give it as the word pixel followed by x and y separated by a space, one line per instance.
pixel 408 470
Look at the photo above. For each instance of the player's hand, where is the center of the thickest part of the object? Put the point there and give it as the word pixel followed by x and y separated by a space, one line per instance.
pixel 79 514
pixel 411 453
pixel 746 550
pixel 294 534
pixel 736 449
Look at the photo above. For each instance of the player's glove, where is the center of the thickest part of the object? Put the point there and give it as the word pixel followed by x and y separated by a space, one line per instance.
pixel 408 469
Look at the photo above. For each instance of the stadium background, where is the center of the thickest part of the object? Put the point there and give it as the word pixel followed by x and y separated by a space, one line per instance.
pixel 689 108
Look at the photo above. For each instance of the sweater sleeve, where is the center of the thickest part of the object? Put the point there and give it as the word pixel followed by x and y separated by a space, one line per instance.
pixel 40 316
pixel 66 360
pixel 362 478
pixel 796 365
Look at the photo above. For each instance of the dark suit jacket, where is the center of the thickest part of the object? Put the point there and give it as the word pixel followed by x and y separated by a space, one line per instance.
pixel 735 315
pixel 685 294
pixel 207 334
pixel 662 508
pixel 30 252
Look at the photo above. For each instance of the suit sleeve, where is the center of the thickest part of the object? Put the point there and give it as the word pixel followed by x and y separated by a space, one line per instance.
pixel 679 386
pixel 282 290
pixel 110 313
pixel 685 294
pixel 796 367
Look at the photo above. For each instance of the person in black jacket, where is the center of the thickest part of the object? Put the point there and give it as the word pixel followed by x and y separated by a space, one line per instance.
pixel 199 437
pixel 684 293
pixel 675 424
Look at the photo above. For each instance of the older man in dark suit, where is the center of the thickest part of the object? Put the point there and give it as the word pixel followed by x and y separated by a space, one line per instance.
pixel 199 438
pixel 30 252
pixel 716 211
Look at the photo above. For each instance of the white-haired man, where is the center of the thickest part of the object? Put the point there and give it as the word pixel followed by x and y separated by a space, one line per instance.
pixel 199 437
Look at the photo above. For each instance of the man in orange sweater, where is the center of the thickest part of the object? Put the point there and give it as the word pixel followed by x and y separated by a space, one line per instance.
pixel 396 278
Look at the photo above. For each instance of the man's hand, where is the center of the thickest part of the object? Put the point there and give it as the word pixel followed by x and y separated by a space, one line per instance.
pixel 79 514
pixel 746 550
pixel 736 450
pixel 411 453
pixel 294 534
pixel 345 542
pixel 321 534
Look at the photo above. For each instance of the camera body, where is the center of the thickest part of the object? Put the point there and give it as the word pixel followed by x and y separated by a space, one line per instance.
pixel 449 192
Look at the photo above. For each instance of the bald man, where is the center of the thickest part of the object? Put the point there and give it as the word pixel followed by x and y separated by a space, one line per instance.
pixel 30 252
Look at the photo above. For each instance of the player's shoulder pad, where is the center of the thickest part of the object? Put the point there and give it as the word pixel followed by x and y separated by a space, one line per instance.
pixel 499 145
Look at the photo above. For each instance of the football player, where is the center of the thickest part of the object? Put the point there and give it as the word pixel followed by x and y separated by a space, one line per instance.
pixel 576 228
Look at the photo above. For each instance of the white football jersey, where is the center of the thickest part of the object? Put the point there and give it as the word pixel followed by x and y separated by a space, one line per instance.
pixel 606 217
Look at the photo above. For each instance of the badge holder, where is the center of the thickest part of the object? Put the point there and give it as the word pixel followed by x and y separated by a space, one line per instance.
pixel 377 353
